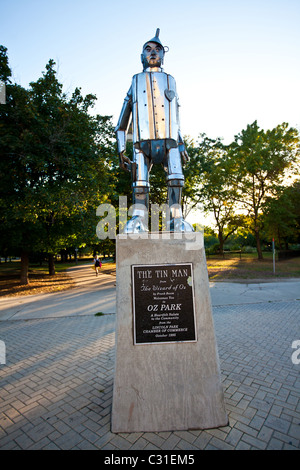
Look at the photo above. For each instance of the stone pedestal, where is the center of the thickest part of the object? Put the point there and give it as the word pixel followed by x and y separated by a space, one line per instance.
pixel 167 369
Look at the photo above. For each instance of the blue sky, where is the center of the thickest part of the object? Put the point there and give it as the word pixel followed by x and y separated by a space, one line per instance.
pixel 234 61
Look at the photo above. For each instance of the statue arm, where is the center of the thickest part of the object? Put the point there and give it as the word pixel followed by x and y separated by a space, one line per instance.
pixel 182 149
pixel 121 128
pixel 181 146
pixel 123 121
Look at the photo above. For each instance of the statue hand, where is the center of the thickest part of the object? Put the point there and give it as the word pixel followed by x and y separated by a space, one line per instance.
pixel 124 161
pixel 185 157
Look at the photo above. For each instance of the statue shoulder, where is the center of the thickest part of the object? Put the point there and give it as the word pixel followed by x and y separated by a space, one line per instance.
pixel 171 78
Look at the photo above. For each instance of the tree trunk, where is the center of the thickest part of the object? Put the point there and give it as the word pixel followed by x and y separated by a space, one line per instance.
pixel 221 242
pixel 24 280
pixel 51 265
pixel 258 245
pixel 279 239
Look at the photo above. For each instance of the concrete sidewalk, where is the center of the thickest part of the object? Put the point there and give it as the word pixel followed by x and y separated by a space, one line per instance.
pixel 91 295
pixel 98 294
pixel 237 293
pixel 56 385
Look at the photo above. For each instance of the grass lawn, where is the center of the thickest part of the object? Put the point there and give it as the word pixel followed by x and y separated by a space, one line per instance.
pixel 39 280
pixel 249 267
pixel 230 268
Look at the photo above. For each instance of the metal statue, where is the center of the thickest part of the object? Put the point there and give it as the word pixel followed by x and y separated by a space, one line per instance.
pixel 151 107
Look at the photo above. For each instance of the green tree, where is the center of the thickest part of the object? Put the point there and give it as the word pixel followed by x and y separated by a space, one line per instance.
pixel 260 160
pixel 216 192
pixel 282 216
pixel 54 166
pixel 192 176
pixel 5 72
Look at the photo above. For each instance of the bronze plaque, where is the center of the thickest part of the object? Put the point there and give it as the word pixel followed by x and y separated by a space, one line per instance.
pixel 163 303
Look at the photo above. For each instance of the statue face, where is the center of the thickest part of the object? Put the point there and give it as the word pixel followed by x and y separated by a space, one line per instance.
pixel 152 55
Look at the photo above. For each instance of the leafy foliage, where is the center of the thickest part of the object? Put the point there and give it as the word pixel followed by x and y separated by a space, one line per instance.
pixel 260 161
pixel 54 167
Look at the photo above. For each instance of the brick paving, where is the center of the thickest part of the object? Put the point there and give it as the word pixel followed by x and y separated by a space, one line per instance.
pixel 56 385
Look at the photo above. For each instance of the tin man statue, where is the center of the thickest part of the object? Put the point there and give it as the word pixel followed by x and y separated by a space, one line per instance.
pixel 152 105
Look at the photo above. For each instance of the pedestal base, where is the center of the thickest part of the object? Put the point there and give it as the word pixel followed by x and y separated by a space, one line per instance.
pixel 168 380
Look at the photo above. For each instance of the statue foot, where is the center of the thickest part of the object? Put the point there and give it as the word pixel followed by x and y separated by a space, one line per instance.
pixel 180 225
pixel 135 225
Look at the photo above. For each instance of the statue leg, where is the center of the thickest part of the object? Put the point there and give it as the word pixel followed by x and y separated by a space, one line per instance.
pixel 175 181
pixel 140 187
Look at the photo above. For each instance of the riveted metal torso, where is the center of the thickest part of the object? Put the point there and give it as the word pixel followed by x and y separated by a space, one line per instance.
pixel 154 108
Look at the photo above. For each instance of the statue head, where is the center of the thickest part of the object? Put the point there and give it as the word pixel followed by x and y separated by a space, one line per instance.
pixel 153 52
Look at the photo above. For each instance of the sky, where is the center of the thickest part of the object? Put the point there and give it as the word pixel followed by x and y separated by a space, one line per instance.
pixel 234 61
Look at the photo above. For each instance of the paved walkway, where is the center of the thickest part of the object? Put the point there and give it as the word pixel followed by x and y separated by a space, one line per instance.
pixel 56 385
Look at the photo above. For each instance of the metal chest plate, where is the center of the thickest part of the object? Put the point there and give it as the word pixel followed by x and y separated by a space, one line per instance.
pixel 154 107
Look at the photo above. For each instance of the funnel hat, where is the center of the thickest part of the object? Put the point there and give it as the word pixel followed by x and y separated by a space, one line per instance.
pixel 155 39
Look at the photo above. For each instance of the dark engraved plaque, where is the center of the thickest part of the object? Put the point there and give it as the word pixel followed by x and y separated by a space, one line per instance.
pixel 163 303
